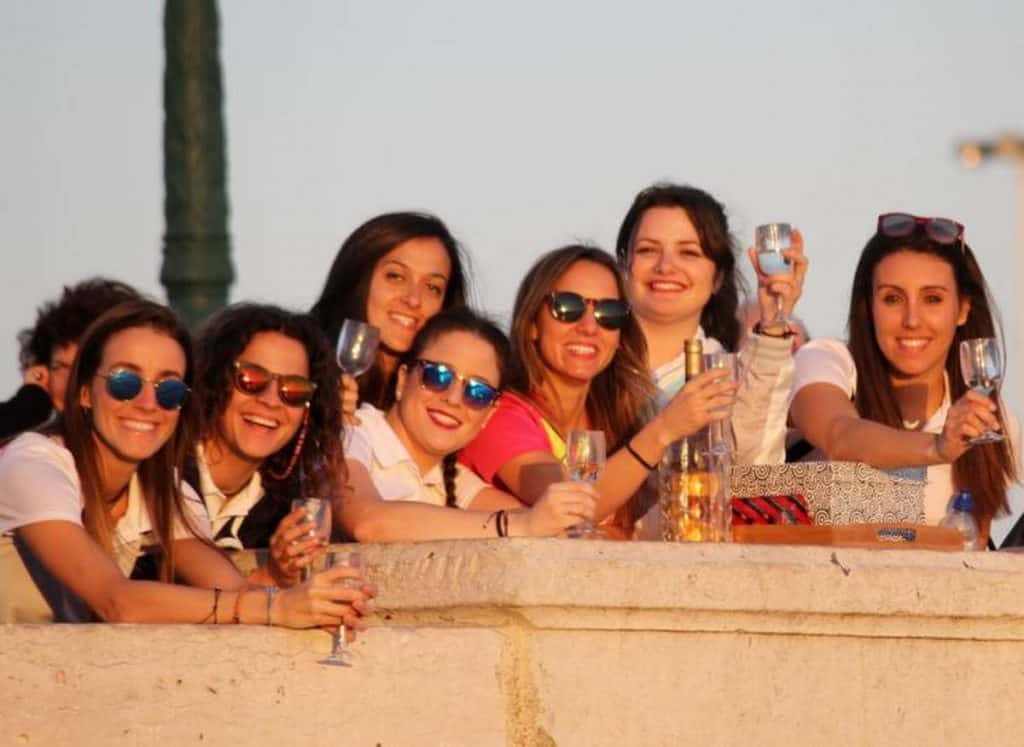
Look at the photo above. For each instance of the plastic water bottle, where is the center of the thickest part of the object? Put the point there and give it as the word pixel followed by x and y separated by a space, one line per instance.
pixel 961 517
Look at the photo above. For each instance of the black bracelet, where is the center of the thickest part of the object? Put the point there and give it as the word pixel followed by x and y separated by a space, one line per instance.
pixel 502 523
pixel 632 452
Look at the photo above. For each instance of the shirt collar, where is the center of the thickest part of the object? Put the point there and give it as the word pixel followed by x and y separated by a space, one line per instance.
pixel 217 504
pixel 388 449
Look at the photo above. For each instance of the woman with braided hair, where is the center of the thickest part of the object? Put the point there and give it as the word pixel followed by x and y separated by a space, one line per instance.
pixel 404 479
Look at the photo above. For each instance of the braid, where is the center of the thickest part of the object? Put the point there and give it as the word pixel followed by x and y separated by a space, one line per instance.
pixel 448 472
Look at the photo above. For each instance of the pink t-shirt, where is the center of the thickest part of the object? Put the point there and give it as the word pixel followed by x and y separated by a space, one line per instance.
pixel 516 427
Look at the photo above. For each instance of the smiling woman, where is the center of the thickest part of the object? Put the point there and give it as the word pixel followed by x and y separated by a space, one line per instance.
pixel 579 363
pixel 270 425
pixel 395 271
pixel 81 501
pixel 405 483
pixel 893 396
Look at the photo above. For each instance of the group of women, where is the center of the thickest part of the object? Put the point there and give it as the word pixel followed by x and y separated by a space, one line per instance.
pixel 159 463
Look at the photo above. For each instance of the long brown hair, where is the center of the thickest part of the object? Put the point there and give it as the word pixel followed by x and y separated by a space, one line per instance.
pixel 347 287
pixel 160 474
pixel 620 397
pixel 718 318
pixel 984 470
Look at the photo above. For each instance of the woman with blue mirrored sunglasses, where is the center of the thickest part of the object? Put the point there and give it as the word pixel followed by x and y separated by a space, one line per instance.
pixel 124 385
pixel 406 483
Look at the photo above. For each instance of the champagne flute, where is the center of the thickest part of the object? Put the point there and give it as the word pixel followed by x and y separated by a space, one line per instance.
pixel 585 458
pixel 721 436
pixel 357 347
pixel 317 510
pixel 771 240
pixel 982 367
pixel 341 654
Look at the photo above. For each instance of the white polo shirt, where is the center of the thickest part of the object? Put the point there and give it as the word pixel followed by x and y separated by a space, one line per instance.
pixel 376 446
pixel 224 510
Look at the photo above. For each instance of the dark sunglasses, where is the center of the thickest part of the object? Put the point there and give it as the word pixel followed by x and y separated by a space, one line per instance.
pixel 940 230
pixel 610 313
pixel 124 384
pixel 439 377
pixel 294 390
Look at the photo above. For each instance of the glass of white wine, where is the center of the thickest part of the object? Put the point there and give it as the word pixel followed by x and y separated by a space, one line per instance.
pixel 770 241
pixel 981 364
pixel 585 458
pixel 357 347
pixel 341 654
pixel 318 510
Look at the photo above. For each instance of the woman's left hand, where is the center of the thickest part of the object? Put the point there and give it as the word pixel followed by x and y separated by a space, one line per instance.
pixel 292 548
pixel 788 287
pixel 349 392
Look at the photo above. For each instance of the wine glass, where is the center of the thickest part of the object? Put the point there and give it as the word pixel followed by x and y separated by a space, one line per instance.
pixel 357 347
pixel 770 241
pixel 318 510
pixel 721 436
pixel 585 458
pixel 982 367
pixel 341 654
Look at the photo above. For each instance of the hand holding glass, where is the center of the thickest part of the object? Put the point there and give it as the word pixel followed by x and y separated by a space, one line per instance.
pixel 982 367
pixel 357 347
pixel 585 458
pixel 770 241
pixel 341 654
pixel 318 510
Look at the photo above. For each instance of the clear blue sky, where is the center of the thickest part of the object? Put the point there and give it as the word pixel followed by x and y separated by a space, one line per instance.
pixel 523 125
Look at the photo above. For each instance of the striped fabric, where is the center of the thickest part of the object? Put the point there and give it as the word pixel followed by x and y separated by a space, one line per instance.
pixel 771 509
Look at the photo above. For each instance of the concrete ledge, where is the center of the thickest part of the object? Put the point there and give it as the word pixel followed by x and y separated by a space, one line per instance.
pixel 567 642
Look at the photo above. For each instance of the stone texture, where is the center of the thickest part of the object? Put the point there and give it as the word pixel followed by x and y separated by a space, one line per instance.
pixel 542 642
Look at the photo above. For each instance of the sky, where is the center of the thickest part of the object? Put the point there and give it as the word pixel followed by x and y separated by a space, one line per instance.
pixel 524 126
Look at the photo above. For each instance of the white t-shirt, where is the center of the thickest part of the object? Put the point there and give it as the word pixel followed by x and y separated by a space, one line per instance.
pixel 828 361
pixel 39 482
pixel 375 445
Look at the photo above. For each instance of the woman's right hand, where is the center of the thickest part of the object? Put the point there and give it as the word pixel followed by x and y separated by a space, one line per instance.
pixel 325 601
pixel 705 398
pixel 292 548
pixel 38 375
pixel 349 393
pixel 967 418
pixel 562 505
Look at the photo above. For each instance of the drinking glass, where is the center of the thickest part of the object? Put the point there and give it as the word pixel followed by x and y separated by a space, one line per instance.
pixel 770 240
pixel 318 510
pixel 585 458
pixel 721 436
pixel 982 367
pixel 341 654
pixel 357 347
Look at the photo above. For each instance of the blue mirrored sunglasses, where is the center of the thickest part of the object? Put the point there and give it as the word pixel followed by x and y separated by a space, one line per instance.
pixel 124 384
pixel 439 377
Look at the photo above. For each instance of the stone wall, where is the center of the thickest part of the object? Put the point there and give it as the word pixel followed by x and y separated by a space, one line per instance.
pixel 540 642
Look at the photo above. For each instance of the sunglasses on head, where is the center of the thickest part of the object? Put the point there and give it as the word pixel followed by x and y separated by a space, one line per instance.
pixel 610 313
pixel 294 390
pixel 940 230
pixel 439 377
pixel 123 384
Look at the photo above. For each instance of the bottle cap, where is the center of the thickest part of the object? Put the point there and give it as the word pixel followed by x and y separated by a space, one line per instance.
pixel 963 501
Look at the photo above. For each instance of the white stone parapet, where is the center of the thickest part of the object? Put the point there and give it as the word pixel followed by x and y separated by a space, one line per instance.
pixel 540 642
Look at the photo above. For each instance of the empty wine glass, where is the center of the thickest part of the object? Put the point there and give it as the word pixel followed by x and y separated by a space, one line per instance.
pixel 982 367
pixel 585 458
pixel 318 510
pixel 357 347
pixel 341 654
pixel 721 436
pixel 770 241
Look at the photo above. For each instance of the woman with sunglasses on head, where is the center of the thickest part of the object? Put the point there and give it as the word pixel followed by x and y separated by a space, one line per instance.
pixel 579 362
pixel 679 259
pixel 80 499
pixel 405 482
pixel 269 427
pixel 893 395
pixel 395 272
